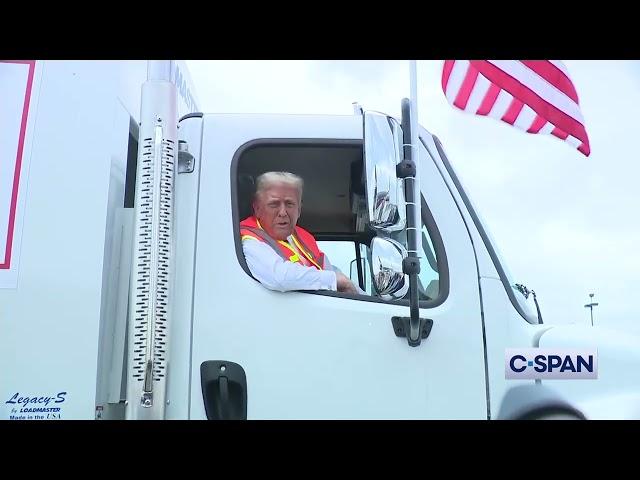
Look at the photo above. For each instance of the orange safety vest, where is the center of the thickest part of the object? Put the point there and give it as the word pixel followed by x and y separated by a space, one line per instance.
pixel 250 228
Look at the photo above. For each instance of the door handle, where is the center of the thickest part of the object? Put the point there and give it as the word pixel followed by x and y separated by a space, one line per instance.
pixel 224 390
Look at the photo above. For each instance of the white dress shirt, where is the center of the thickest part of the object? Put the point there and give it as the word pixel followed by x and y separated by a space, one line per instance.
pixel 270 269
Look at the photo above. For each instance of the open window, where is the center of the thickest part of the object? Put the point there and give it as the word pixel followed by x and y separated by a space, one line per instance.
pixel 334 207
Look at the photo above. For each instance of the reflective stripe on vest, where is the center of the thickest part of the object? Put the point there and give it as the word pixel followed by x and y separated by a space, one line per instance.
pixel 306 251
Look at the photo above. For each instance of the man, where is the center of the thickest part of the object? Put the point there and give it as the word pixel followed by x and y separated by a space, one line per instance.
pixel 280 254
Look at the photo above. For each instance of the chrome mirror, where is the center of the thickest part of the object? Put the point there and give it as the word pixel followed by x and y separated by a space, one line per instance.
pixel 386 268
pixel 382 152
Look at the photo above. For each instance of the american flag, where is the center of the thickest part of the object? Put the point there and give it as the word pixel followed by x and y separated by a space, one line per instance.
pixel 534 95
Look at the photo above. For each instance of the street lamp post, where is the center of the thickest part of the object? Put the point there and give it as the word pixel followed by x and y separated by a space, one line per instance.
pixel 590 306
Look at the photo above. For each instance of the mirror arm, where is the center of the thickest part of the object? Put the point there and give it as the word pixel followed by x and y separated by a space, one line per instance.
pixel 410 265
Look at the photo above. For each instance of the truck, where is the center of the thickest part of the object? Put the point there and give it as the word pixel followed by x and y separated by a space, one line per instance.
pixel 124 292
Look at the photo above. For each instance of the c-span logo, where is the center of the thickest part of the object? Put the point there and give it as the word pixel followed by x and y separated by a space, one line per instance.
pixel 550 363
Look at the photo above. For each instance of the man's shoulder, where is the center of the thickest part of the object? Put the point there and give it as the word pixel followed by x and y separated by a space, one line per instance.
pixel 253 244
pixel 301 232
pixel 246 236
pixel 248 222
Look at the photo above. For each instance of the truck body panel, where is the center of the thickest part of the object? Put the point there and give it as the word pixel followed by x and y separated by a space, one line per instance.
pixel 78 133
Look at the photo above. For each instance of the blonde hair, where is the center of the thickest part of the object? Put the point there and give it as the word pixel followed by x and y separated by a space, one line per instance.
pixel 271 178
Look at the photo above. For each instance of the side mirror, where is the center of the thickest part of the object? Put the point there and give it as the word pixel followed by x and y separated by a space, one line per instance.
pixel 386 268
pixel 382 152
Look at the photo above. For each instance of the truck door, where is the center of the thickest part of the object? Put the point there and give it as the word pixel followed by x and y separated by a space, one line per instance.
pixel 325 355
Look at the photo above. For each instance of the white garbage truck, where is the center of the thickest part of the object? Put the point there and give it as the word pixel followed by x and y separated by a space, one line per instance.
pixel 124 292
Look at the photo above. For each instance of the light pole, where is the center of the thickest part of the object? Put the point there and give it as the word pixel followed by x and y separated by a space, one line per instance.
pixel 590 306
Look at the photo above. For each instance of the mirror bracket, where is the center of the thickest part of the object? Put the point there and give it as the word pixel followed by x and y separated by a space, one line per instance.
pixel 411 265
pixel 402 325
pixel 406 168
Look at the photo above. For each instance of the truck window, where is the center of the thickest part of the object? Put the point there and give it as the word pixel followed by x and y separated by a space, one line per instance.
pixel 428 279
pixel 432 259
pixel 333 208
pixel 346 256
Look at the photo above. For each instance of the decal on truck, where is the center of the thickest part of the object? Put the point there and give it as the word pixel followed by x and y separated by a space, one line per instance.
pixel 36 407
pixel 16 86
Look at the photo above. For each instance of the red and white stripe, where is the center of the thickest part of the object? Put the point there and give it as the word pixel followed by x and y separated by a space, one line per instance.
pixel 534 95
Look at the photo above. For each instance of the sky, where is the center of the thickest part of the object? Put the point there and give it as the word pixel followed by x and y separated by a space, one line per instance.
pixel 566 225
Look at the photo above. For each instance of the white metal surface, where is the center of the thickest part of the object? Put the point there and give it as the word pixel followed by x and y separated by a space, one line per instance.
pixel 49 324
pixel 176 72
pixel 505 329
pixel 186 211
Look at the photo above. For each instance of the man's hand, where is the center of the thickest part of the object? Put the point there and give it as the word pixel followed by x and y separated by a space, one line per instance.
pixel 344 284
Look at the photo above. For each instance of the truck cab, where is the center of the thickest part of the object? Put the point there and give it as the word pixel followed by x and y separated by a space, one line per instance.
pixel 324 354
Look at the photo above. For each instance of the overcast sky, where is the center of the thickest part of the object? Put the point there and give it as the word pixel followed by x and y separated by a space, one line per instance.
pixel 566 225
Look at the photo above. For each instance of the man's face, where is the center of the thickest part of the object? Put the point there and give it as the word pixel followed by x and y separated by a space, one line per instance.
pixel 278 209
